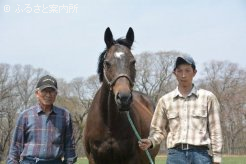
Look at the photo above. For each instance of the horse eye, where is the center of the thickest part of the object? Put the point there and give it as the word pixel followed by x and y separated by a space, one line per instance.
pixel 107 64
pixel 133 62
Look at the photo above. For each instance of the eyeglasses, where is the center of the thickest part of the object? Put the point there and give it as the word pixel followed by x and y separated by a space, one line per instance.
pixel 47 91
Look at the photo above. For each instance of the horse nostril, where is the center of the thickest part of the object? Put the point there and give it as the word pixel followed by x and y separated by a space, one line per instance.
pixel 125 99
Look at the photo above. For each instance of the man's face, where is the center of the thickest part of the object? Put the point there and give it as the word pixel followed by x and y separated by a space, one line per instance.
pixel 184 74
pixel 46 96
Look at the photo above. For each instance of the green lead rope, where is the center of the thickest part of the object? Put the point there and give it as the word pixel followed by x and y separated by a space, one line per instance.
pixel 138 136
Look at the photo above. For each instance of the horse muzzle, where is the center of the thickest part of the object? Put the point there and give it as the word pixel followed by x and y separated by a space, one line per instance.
pixel 123 100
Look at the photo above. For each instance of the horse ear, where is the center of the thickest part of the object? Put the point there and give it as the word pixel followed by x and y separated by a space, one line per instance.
pixel 130 36
pixel 108 38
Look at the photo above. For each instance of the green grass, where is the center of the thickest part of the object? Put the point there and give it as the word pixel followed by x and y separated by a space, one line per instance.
pixel 162 160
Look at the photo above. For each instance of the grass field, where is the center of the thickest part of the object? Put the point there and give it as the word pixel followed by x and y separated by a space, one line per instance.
pixel 162 160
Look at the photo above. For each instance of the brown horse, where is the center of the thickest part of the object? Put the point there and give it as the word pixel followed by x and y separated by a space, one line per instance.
pixel 108 136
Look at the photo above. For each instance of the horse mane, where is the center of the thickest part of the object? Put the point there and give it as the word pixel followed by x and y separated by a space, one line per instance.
pixel 121 41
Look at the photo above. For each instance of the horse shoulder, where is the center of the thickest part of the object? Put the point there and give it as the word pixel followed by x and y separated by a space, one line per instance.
pixel 144 100
pixel 144 107
pixel 142 112
pixel 94 122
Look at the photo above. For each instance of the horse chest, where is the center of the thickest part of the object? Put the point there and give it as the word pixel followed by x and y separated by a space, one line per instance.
pixel 110 149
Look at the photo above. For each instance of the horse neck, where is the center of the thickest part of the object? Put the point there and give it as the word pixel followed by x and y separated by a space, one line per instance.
pixel 109 106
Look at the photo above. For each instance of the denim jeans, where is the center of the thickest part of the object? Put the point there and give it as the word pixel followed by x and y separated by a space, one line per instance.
pixel 32 161
pixel 191 156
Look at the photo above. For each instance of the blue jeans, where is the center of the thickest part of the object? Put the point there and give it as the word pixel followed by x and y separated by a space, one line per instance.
pixel 191 156
pixel 30 160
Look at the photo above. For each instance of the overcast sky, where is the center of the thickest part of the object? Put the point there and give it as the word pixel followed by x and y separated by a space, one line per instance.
pixel 67 43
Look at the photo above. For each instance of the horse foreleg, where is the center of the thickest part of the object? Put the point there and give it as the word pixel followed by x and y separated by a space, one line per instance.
pixel 91 159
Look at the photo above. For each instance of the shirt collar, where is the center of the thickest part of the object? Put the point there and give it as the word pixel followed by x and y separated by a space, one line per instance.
pixel 194 91
pixel 39 109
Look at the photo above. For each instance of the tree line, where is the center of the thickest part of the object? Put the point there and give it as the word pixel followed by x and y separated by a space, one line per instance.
pixel 154 77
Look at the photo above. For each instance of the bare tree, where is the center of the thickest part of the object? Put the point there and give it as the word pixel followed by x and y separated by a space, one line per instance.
pixel 26 78
pixel 154 73
pixel 85 90
pixel 5 95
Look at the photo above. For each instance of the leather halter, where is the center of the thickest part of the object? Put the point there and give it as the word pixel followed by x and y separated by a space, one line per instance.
pixel 112 82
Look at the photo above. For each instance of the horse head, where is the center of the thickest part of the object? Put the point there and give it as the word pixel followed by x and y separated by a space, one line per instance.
pixel 117 68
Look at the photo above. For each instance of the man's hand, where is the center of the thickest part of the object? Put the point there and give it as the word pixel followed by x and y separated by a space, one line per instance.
pixel 144 144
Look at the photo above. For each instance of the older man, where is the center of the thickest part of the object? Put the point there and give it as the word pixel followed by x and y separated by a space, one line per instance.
pixel 44 132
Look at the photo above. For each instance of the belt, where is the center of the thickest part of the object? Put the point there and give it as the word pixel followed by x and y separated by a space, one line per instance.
pixel 36 160
pixel 184 146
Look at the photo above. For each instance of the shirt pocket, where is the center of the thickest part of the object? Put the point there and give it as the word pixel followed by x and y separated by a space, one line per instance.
pixel 57 129
pixel 199 119
pixel 57 136
pixel 173 119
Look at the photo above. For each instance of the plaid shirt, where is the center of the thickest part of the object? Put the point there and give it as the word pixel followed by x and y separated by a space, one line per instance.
pixel 193 120
pixel 43 136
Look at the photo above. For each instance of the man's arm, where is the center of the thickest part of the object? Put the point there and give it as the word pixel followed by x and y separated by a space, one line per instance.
pixel 158 125
pixel 69 147
pixel 17 142
pixel 215 130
